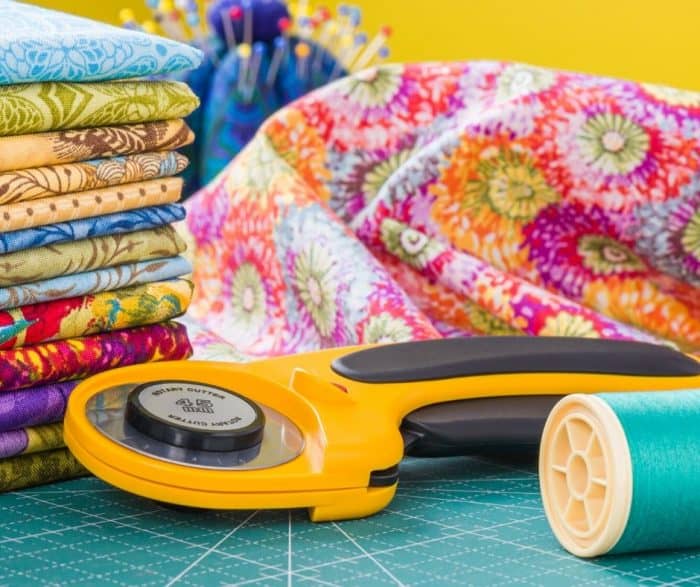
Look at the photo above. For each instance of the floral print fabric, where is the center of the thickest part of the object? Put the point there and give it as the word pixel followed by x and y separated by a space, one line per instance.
pixel 118 223
pixel 68 146
pixel 37 107
pixel 428 200
pixel 103 312
pixel 49 211
pixel 42 263
pixel 45 45
pixel 88 282
pixel 54 180
pixel 77 358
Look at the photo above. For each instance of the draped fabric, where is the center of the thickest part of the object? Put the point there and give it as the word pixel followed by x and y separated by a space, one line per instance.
pixel 456 199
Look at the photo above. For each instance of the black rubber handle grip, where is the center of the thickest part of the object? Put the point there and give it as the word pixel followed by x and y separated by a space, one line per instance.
pixel 495 425
pixel 460 357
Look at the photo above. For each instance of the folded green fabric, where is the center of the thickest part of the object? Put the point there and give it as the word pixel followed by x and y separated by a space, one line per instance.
pixel 39 468
pixel 31 108
pixel 41 263
pixel 31 440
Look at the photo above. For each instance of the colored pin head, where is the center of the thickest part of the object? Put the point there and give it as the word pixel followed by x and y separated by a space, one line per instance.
pixel 193 19
pixel 127 16
pixel 284 24
pixel 244 51
pixel 150 27
pixel 302 50
pixel 265 14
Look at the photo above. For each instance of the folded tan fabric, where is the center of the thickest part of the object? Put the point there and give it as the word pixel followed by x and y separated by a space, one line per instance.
pixel 89 204
pixel 30 265
pixel 67 146
pixel 38 107
pixel 54 180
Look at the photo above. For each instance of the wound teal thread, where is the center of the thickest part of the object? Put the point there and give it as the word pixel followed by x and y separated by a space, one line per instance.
pixel 663 434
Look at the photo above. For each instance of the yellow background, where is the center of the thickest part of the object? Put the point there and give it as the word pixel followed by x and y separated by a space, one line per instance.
pixel 645 40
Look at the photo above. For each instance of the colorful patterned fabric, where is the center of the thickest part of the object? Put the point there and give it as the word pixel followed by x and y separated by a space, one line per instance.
pixel 77 358
pixel 31 440
pixel 419 201
pixel 44 45
pixel 118 223
pixel 98 252
pixel 55 180
pixel 31 108
pixel 80 284
pixel 39 468
pixel 44 404
pixel 68 207
pixel 103 312
pixel 67 146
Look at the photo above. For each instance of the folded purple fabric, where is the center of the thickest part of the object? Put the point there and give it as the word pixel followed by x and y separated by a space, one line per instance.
pixel 43 404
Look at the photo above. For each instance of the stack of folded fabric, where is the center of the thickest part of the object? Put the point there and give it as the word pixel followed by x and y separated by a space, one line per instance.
pixel 90 264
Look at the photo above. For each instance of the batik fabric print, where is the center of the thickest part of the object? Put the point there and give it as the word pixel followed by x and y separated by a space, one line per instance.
pixel 90 282
pixel 38 107
pixel 103 312
pixel 54 180
pixel 496 198
pixel 34 406
pixel 45 45
pixel 39 468
pixel 43 263
pixel 77 358
pixel 89 204
pixel 26 441
pixel 74 230
pixel 68 146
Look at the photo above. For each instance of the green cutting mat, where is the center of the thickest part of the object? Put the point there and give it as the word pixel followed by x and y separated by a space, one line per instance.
pixel 457 521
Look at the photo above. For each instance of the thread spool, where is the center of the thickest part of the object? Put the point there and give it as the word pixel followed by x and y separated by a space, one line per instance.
pixel 619 472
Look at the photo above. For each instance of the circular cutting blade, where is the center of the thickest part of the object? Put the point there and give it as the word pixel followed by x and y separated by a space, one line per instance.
pixel 282 441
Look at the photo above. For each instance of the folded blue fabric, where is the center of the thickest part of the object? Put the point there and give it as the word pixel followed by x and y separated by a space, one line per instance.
pixel 44 45
pixel 74 230
pixel 80 284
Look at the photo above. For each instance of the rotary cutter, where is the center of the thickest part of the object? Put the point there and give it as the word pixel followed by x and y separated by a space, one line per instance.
pixel 326 430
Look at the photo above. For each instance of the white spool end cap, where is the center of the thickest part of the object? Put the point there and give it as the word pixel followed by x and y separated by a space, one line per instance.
pixel 585 475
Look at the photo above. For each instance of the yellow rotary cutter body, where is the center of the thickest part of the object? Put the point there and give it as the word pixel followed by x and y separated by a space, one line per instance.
pixel 350 415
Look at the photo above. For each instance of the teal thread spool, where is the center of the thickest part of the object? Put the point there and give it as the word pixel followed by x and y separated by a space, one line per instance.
pixel 620 472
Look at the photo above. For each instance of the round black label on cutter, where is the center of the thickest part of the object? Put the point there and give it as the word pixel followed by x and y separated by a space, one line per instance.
pixel 195 416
